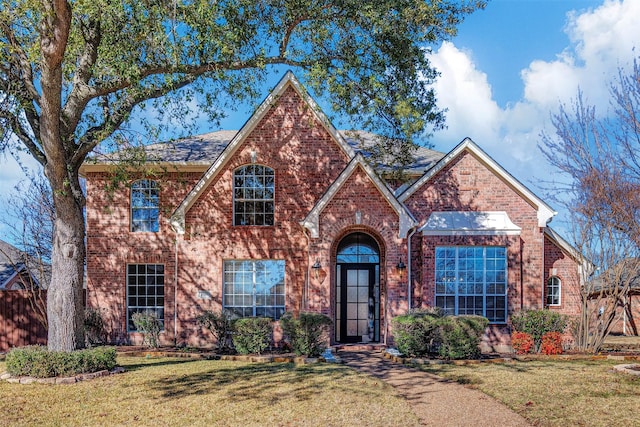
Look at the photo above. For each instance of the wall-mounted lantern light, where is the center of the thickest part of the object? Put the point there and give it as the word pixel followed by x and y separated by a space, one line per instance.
pixel 316 269
pixel 401 266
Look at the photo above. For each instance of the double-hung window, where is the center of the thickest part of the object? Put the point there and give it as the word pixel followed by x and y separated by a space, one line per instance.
pixel 253 195
pixel 254 288
pixel 553 291
pixel 472 280
pixel 145 205
pixel 145 291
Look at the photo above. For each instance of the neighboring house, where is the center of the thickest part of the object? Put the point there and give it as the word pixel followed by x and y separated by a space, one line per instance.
pixel 19 271
pixel 22 312
pixel 287 215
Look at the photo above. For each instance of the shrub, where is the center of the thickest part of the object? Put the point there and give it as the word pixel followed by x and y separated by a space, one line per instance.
pixel 306 334
pixel 148 324
pixel 37 361
pixel 425 332
pixel 460 336
pixel 521 342
pixel 94 329
pixel 416 333
pixel 220 325
pixel 537 323
pixel 551 343
pixel 252 334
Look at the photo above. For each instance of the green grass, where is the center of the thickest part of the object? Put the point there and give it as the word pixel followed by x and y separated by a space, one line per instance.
pixel 556 393
pixel 170 391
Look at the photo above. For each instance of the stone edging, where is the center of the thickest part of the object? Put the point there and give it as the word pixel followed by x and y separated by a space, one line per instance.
pixel 60 380
pixel 506 359
pixel 268 358
pixel 631 369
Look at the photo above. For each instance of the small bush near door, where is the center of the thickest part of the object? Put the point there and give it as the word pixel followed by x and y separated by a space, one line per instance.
pixel 220 325
pixel 307 333
pixel 425 333
pixel 252 335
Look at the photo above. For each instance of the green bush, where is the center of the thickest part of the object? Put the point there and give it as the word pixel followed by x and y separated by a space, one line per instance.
pixel 148 324
pixel 220 325
pixel 252 334
pixel 94 329
pixel 460 336
pixel 429 332
pixel 537 323
pixel 37 361
pixel 416 333
pixel 307 333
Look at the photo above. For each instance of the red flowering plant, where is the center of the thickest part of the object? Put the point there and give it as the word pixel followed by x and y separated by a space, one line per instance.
pixel 551 343
pixel 521 342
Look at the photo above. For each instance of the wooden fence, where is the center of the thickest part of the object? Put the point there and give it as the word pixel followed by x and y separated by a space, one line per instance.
pixel 19 325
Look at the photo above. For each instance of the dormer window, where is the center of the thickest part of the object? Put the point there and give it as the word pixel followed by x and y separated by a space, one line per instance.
pixel 253 195
pixel 145 205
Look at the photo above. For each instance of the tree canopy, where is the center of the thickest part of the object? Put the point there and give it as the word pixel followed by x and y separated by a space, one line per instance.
pixel 75 73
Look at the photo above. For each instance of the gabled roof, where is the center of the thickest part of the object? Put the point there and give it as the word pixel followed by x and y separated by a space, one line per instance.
pixel 14 262
pixel 545 212
pixel 289 80
pixel 312 220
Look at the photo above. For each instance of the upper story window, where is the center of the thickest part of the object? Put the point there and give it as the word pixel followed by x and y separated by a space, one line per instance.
pixel 553 291
pixel 253 190
pixel 145 205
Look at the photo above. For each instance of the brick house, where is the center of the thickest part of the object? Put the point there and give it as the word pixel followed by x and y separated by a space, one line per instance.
pixel 286 215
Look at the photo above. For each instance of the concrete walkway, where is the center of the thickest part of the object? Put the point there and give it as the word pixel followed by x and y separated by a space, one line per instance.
pixel 435 400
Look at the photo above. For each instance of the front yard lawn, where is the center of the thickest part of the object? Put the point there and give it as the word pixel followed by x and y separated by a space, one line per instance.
pixel 171 391
pixel 556 393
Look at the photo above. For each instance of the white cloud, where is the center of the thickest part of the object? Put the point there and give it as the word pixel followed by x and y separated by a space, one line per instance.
pixel 599 42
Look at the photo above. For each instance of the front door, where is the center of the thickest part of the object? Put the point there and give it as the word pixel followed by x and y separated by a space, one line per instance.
pixel 357 317
pixel 358 290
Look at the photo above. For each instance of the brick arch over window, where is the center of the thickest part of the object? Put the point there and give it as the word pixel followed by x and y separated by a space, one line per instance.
pixel 253 195
pixel 145 205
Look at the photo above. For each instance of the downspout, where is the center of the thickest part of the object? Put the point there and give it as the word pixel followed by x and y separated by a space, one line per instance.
pixel 411 233
pixel 305 290
pixel 175 294
pixel 544 267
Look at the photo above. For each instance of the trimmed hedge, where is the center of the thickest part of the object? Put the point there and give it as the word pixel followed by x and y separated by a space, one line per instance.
pixel 306 334
pixel 38 362
pixel 252 335
pixel 429 333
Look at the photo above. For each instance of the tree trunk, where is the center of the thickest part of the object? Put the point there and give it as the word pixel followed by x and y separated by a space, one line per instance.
pixel 65 308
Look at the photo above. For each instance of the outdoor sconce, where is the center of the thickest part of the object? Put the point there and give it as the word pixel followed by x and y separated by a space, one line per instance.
pixel 401 267
pixel 316 269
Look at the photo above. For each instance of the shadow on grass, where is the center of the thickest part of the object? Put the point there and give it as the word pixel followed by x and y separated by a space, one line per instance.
pixel 263 383
pixel 153 362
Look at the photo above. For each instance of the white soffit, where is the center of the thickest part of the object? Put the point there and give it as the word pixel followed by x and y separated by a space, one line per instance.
pixel 484 223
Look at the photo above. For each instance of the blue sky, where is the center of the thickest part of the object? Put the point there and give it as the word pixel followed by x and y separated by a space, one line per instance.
pixel 504 74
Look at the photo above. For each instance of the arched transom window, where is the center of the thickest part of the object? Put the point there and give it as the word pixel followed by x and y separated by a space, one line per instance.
pixel 145 205
pixel 253 194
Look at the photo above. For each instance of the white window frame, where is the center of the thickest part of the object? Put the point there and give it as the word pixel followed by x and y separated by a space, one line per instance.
pixel 245 287
pixel 553 286
pixel 144 278
pixel 450 285
pixel 249 195
pixel 149 193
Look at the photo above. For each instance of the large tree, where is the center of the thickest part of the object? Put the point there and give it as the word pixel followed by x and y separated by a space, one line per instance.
pixel 599 156
pixel 75 73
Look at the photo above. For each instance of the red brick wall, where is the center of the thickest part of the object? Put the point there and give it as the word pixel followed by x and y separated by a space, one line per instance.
pixel 306 160
pixel 560 264
pixel 466 184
